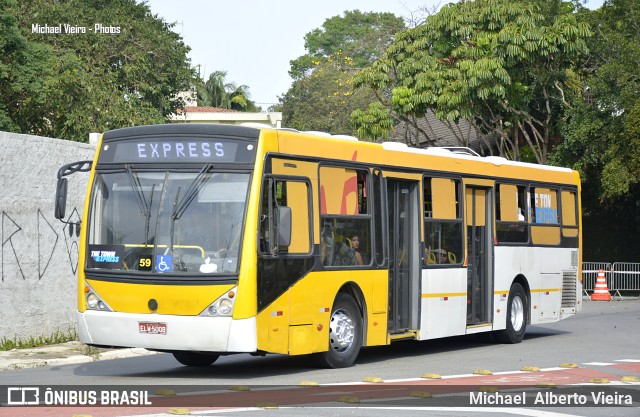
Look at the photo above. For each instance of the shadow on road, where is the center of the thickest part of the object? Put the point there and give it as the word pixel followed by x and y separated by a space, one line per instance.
pixel 244 367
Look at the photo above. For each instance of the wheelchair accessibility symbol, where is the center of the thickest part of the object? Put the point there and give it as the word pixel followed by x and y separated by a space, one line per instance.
pixel 163 263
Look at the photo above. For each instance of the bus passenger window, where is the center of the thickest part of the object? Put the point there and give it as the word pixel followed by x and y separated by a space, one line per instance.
pixel 345 243
pixel 544 206
pixel 442 222
pixel 545 223
pixel 569 208
pixel 511 222
pixel 345 231
pixel 569 211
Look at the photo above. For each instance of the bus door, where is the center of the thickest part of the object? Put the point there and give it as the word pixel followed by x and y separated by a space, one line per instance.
pixel 404 258
pixel 479 256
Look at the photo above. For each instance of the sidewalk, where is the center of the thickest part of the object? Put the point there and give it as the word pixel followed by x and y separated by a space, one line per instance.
pixel 68 353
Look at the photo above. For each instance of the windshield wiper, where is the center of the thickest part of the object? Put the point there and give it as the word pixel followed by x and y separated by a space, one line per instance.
pixel 148 216
pixel 181 204
pixel 196 185
pixel 145 209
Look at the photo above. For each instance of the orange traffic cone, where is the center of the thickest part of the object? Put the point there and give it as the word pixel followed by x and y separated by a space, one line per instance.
pixel 601 292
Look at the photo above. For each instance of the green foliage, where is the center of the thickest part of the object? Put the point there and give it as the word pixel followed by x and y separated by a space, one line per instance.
pixel 622 163
pixel 324 99
pixel 500 63
pixel 72 84
pixel 25 71
pixel 54 339
pixel 217 92
pixel 602 133
pixel 375 122
pixel 322 96
pixel 602 139
pixel 361 36
pixel 584 141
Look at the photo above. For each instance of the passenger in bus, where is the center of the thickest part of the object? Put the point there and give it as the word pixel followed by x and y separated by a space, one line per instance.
pixel 355 245
pixel 441 256
pixel 348 252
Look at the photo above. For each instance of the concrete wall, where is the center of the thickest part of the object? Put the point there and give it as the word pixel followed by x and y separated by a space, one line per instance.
pixel 39 259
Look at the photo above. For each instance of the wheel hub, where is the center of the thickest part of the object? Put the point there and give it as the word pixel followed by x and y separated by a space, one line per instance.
pixel 342 331
pixel 517 313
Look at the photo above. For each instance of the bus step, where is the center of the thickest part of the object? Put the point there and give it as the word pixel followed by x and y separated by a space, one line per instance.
pixel 411 334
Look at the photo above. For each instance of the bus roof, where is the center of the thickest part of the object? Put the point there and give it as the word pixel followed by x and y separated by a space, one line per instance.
pixel 388 155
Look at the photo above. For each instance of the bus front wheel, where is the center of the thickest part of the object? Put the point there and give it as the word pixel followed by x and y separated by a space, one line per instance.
pixel 517 305
pixel 345 333
pixel 195 358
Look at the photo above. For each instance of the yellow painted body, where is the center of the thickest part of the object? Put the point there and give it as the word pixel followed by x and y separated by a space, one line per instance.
pixel 297 322
pixel 190 300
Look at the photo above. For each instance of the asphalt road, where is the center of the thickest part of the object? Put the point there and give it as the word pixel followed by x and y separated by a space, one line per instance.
pixel 605 336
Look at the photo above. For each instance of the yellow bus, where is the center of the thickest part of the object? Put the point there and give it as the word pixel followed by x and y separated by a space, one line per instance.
pixel 208 240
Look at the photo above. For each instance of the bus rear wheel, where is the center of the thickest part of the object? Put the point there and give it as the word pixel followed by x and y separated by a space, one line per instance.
pixel 516 316
pixel 345 333
pixel 195 358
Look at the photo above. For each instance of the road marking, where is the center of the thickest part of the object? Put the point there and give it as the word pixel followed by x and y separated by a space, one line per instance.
pixel 465 410
pixel 598 363
pixel 326 395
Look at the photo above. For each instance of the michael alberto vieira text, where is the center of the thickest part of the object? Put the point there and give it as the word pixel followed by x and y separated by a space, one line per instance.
pixel 550 398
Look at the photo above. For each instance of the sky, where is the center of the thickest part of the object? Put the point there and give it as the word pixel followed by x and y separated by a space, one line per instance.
pixel 254 40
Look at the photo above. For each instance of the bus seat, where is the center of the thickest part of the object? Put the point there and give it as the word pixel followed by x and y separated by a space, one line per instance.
pixel 452 258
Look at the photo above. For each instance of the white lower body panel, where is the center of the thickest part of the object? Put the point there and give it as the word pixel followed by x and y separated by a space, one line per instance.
pixel 204 334
pixel 444 291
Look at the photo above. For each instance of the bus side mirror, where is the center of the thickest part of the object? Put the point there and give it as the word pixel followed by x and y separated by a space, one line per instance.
pixel 284 226
pixel 61 198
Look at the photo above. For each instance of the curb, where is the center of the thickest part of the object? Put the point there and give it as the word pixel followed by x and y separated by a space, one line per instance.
pixel 61 355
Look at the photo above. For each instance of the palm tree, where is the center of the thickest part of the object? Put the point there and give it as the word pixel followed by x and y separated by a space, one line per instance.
pixel 213 92
pixel 217 92
pixel 239 97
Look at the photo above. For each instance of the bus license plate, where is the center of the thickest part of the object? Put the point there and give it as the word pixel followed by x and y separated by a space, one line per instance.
pixel 152 328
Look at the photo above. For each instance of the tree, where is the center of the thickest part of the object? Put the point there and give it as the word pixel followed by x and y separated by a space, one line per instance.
pixel 25 71
pixel 217 92
pixel 324 99
pixel 602 133
pixel 321 96
pixel 502 65
pixel 360 36
pixel 126 72
pixel 214 91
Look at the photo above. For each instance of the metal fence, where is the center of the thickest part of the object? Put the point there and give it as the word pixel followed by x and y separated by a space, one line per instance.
pixel 621 276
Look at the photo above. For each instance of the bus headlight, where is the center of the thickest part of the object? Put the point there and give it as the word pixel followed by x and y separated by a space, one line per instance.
pixel 222 307
pixel 94 302
pixel 225 307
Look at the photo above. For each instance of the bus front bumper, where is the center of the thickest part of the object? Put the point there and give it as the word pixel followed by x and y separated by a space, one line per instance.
pixel 167 332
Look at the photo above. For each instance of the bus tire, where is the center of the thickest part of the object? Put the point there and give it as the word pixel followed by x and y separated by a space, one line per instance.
pixel 345 333
pixel 195 358
pixel 517 305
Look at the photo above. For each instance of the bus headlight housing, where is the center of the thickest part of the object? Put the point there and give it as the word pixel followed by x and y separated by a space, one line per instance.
pixel 222 307
pixel 94 302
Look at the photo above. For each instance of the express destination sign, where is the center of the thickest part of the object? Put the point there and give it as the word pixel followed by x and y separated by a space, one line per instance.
pixel 170 150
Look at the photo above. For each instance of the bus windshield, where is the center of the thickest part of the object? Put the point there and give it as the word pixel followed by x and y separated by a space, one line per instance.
pixel 164 222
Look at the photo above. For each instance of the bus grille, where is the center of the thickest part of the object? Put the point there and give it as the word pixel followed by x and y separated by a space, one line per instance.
pixel 569 282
